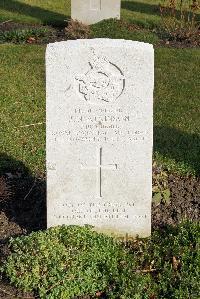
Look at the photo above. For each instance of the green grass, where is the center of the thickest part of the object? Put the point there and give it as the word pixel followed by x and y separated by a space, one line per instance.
pixel 176 108
pixel 117 30
pixel 22 99
pixel 65 262
pixel 144 13
pixel 54 12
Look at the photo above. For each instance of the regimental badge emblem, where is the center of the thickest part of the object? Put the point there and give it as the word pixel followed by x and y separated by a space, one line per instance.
pixel 103 82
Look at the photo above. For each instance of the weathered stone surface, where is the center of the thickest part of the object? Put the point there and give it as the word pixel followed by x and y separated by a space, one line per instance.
pixel 99 134
pixel 94 11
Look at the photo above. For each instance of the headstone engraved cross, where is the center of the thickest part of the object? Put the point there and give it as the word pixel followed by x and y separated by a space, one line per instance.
pixel 99 167
pixel 100 135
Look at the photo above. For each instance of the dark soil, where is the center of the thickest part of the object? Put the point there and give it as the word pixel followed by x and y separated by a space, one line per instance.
pixel 9 26
pixel 179 44
pixel 25 211
pixel 184 202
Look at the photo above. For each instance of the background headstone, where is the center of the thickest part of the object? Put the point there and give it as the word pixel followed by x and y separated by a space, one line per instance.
pixel 93 11
pixel 100 135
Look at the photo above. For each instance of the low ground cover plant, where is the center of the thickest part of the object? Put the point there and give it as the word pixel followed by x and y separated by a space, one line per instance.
pixel 69 261
pixel 23 35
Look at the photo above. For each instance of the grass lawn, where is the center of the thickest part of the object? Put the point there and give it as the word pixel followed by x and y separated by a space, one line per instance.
pixel 176 117
pixel 35 11
pixel 22 100
pixel 55 12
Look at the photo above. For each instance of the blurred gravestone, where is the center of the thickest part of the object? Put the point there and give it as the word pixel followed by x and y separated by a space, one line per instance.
pixel 93 11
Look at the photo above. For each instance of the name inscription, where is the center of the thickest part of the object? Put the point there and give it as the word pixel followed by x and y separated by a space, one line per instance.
pixel 101 125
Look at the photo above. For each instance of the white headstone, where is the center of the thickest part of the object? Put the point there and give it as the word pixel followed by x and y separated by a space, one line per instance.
pixel 94 11
pixel 99 135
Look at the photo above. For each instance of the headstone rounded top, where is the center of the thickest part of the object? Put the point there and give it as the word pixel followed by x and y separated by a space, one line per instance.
pixel 101 42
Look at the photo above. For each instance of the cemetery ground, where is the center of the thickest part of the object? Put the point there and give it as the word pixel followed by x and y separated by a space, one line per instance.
pixel 165 266
pixel 55 12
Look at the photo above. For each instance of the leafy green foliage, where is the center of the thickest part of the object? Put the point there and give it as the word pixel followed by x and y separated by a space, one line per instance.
pixel 22 35
pixel 65 262
pixel 172 258
pixel 176 257
pixel 161 191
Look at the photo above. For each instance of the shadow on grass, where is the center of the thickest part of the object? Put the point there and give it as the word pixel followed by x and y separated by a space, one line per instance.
pixel 180 146
pixel 45 16
pixel 27 205
pixel 150 9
